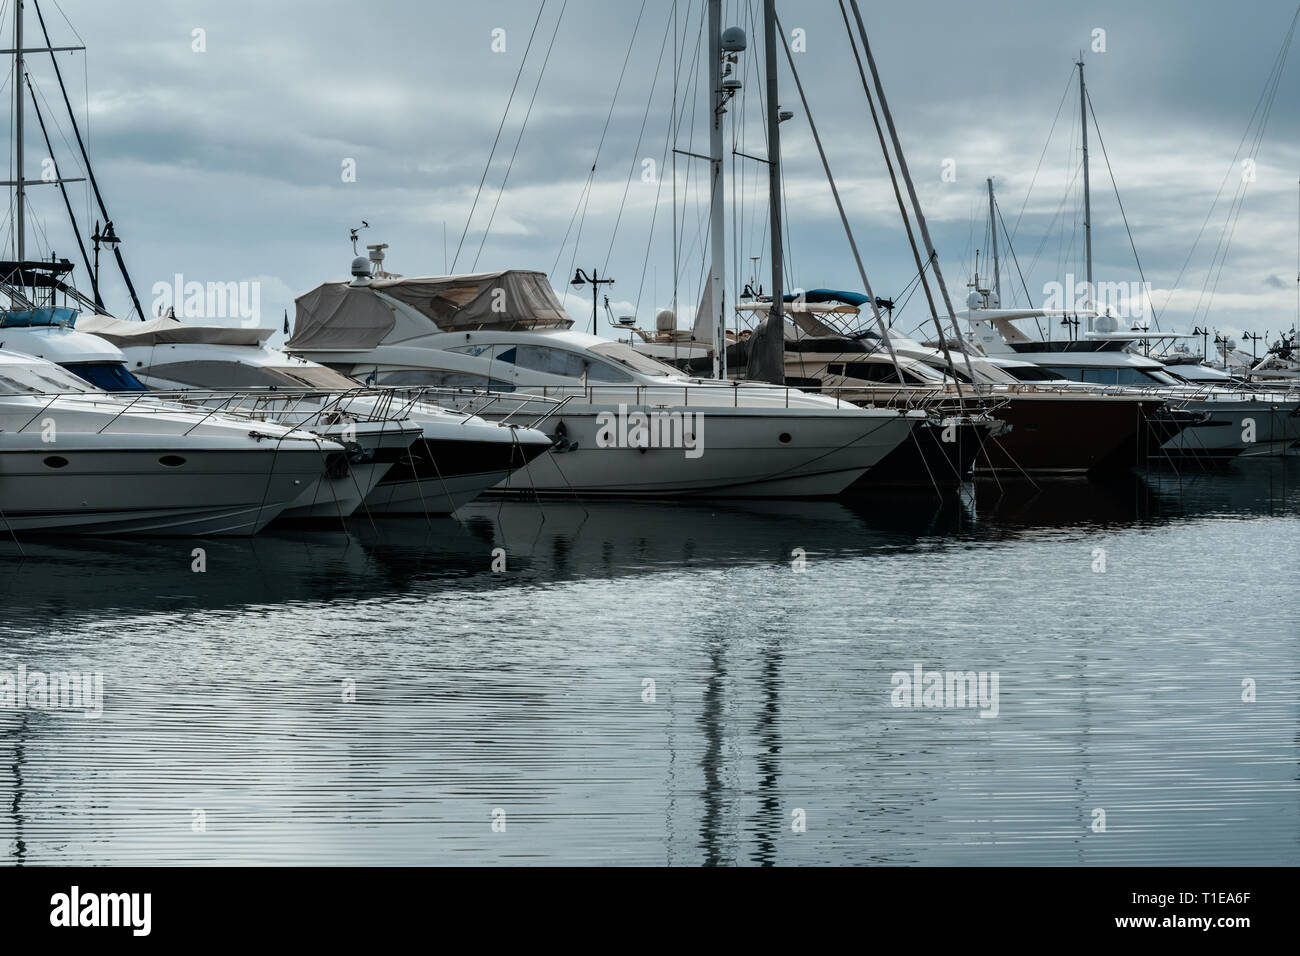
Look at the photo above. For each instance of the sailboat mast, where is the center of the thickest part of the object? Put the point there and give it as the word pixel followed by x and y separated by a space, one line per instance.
pixel 777 314
pixel 20 223
pixel 1087 195
pixel 993 225
pixel 717 234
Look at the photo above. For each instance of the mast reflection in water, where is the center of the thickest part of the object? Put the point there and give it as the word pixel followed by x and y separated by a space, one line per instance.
pixel 227 692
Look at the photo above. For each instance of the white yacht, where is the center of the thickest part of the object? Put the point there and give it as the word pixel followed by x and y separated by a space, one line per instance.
pixel 447 459
pixel 630 425
pixel 374 442
pixel 1237 420
pixel 74 459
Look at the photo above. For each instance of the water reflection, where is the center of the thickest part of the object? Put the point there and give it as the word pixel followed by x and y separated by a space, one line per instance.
pixel 522 689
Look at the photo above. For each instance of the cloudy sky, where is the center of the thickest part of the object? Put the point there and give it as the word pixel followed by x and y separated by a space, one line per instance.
pixel 223 155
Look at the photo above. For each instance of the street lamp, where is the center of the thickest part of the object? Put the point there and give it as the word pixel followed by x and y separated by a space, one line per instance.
pixel 1146 343
pixel 1222 340
pixel 581 278
pixel 1205 342
pixel 109 239
pixel 1253 337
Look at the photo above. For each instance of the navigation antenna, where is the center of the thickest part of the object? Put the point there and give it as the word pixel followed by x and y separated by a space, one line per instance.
pixel 352 234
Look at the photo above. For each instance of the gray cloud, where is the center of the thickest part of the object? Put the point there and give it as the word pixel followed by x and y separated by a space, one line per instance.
pixel 225 165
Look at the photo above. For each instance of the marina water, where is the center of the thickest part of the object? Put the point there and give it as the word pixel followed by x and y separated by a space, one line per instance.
pixel 676 683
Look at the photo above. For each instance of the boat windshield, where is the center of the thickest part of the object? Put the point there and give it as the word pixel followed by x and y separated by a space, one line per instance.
pixel 1032 373
pixel 110 376
pixel 39 379
pixel 638 362
pixel 317 376
pixel 223 375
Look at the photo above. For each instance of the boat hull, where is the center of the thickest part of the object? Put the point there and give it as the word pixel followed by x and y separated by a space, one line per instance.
pixel 927 460
pixel 742 452
pixel 371 450
pixel 439 475
pixel 73 489
pixel 1235 427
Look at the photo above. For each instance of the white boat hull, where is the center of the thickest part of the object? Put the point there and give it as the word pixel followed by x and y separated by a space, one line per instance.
pixel 1237 427
pixel 346 478
pixel 742 454
pixel 214 491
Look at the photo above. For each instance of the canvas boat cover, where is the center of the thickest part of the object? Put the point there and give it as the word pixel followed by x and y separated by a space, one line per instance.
pixel 168 331
pixel 342 317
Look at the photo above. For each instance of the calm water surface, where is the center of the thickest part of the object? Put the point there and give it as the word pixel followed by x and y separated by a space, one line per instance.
pixel 524 693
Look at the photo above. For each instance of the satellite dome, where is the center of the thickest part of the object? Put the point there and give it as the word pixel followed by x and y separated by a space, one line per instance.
pixel 665 320
pixel 974 299
pixel 361 266
pixel 1106 324
pixel 733 40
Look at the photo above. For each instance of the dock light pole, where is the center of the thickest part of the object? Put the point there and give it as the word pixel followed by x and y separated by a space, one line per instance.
pixel 1146 343
pixel 581 278
pixel 1222 340
pixel 1205 342
pixel 109 240
pixel 1253 337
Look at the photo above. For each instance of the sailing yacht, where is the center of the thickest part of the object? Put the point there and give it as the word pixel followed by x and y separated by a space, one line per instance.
pixel 74 459
pixel 1043 430
pixel 630 425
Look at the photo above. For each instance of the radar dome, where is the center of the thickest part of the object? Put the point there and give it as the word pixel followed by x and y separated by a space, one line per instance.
pixel 733 40
pixel 1106 324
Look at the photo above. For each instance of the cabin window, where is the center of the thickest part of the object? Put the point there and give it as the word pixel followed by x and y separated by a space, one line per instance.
pixel 880 372
pixel 549 361
pixel 1033 374
pixel 110 376
pixel 207 374
pixel 434 378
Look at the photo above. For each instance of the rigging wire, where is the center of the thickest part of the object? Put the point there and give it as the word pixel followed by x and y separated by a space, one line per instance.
pixel 636 150
pixel 518 139
pixel 1232 166
pixel 1029 299
pixel 1120 202
pixel 1234 218
pixel 1069 84
pixel 839 205
pixel 85 155
pixel 500 126
pixel 63 190
pixel 668 140
pixel 609 116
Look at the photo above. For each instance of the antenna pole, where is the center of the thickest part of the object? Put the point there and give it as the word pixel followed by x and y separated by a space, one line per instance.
pixel 717 226
pixel 1087 195
pixel 776 318
pixel 993 225
pixel 20 222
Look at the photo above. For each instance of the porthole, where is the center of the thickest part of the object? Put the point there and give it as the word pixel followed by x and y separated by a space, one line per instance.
pixel 171 461
pixel 56 461
pixel 785 438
